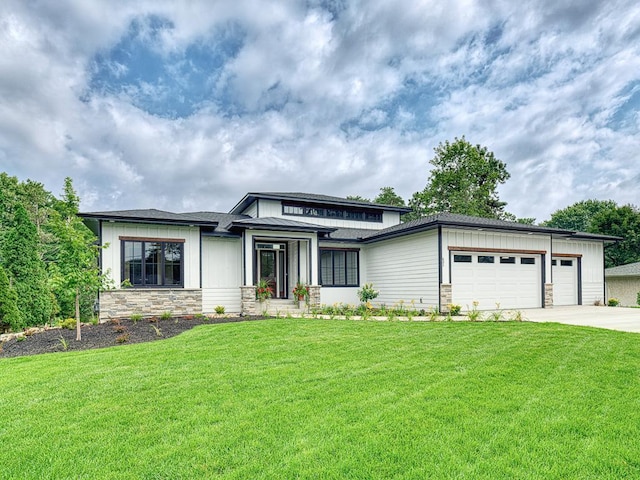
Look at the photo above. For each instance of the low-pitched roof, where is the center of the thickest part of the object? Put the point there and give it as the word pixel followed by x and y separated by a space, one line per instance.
pixel 151 215
pixel 628 270
pixel 277 223
pixel 312 198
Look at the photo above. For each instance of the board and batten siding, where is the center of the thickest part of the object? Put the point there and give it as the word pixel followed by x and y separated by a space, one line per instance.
pixel 477 239
pixel 111 256
pixel 592 266
pixel 273 208
pixel 404 269
pixel 221 274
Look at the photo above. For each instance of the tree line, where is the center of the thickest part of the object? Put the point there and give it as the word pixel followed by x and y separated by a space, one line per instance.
pixel 464 179
pixel 48 257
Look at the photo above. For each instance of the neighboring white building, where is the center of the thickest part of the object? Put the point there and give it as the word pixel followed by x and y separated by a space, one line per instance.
pixel 192 262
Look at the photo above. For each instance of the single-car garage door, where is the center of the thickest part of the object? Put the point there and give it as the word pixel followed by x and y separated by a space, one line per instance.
pixel 496 280
pixel 565 280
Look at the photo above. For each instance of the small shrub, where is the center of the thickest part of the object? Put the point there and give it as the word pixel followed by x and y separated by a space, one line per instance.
pixel 638 298
pixel 496 316
pixel 63 343
pixel 200 316
pixel 219 309
pixel 136 317
pixel 433 314
pixel 367 293
pixel 120 328
pixel 157 330
pixel 474 315
pixel 122 338
pixel 68 323
pixel 454 309
pixel 165 316
pixel 613 302
pixel 516 316
pixel 21 339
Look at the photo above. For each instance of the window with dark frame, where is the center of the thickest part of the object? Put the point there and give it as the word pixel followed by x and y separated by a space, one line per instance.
pixel 346 213
pixel 528 261
pixel 462 258
pixel 508 260
pixel 554 262
pixel 339 268
pixel 566 263
pixel 153 263
pixel 486 259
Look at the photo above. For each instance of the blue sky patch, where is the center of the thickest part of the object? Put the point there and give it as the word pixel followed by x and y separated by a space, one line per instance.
pixel 172 85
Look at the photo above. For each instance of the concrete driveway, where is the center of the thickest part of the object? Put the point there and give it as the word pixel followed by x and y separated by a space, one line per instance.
pixel 613 318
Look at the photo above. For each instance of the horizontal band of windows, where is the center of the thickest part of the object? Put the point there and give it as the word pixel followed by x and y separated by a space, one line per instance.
pixel 339 213
pixel 148 239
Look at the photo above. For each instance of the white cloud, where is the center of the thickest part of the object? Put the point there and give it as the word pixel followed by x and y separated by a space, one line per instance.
pixel 537 83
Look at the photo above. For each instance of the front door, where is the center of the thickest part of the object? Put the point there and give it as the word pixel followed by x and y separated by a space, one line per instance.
pixel 272 267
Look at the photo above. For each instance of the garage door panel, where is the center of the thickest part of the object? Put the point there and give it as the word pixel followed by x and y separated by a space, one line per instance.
pixel 511 285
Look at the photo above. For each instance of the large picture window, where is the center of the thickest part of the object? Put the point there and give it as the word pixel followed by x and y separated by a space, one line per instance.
pixel 339 268
pixel 148 263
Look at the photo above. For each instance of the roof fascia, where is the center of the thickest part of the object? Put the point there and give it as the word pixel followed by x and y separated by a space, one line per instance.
pixel 155 221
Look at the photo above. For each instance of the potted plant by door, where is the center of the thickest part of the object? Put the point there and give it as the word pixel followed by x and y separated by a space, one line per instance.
pixel 301 293
pixel 263 291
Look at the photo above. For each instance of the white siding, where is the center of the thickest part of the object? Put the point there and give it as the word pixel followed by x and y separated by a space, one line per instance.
pixel 592 266
pixel 404 269
pixel 251 210
pixel 111 256
pixel 221 274
pixel 333 295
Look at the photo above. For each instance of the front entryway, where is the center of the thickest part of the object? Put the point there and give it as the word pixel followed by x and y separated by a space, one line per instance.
pixel 272 266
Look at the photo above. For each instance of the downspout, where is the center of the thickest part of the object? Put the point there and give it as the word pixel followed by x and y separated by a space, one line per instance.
pixel 440 268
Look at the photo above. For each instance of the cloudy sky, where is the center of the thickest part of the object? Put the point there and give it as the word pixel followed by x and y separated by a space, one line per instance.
pixel 188 105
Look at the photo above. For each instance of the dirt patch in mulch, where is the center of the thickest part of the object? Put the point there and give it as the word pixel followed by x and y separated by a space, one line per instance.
pixel 109 334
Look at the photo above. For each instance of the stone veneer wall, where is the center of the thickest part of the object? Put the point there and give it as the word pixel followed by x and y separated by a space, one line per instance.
pixel 314 296
pixel 248 300
pixel 548 295
pixel 446 298
pixel 149 302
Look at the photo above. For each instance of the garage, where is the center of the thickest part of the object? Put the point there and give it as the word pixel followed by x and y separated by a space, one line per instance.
pixel 565 280
pixel 496 280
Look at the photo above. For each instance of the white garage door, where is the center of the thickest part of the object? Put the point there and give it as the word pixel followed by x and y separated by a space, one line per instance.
pixel 565 281
pixel 496 280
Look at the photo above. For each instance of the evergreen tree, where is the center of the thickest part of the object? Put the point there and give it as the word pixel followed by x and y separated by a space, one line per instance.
pixel 25 268
pixel 10 316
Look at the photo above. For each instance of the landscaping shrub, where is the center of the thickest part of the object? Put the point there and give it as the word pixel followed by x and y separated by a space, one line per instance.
pixel 613 302
pixel 68 323
pixel 219 309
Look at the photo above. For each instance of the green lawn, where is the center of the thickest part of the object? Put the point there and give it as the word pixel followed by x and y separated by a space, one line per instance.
pixel 329 399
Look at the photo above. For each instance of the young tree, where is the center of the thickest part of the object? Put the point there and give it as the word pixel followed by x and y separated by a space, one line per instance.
pixel 578 216
pixel 75 270
pixel 464 179
pixel 9 313
pixel 388 196
pixel 25 269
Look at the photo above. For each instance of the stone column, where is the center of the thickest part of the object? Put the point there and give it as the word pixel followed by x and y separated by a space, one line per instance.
pixel 248 300
pixel 314 296
pixel 445 297
pixel 548 295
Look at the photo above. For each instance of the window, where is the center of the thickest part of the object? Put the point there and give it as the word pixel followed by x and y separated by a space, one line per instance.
pixel 462 258
pixel 528 261
pixel 507 259
pixel 486 259
pixel 344 213
pixel 148 263
pixel 566 263
pixel 339 268
pixel 554 262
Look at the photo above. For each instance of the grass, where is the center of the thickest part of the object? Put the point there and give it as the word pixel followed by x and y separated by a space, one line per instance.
pixel 331 399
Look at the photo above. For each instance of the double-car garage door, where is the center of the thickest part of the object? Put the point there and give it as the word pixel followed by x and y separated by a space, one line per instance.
pixel 496 280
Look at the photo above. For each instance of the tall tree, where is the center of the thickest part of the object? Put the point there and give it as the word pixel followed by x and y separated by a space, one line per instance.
pixel 464 179
pixel 578 216
pixel 10 316
pixel 357 198
pixel 622 222
pixel 26 270
pixel 74 272
pixel 388 196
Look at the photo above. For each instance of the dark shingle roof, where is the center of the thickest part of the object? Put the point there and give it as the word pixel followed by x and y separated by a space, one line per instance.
pixel 312 198
pixel 277 223
pixel 628 270
pixel 150 215
pixel 351 234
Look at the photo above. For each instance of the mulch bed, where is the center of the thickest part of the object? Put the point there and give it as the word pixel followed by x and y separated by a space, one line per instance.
pixel 106 335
